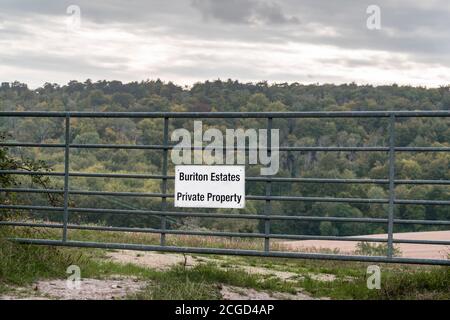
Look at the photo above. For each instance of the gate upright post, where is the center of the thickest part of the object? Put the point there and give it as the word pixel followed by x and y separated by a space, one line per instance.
pixel 66 176
pixel 268 205
pixel 164 181
pixel 390 249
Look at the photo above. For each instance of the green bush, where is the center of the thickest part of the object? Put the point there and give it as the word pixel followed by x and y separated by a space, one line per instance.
pixel 374 249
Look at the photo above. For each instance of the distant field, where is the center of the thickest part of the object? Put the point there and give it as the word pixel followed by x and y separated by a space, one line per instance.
pixel 407 250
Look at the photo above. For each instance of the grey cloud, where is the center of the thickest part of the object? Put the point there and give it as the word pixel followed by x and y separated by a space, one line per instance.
pixel 44 62
pixel 381 63
pixel 244 11
pixel 407 26
pixel 416 28
pixel 9 33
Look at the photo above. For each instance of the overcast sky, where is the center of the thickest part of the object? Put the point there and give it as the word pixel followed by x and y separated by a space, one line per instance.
pixel 184 41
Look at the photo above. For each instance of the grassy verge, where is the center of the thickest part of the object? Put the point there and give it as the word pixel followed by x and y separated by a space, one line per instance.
pixel 423 283
pixel 22 264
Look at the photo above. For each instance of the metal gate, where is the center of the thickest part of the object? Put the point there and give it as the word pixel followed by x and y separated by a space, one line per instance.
pixel 267 216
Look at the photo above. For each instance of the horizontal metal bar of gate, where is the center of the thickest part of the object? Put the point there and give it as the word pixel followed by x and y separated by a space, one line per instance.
pixel 248 197
pixel 219 115
pixel 258 216
pixel 255 179
pixel 222 234
pixel 267 216
pixel 224 215
pixel 162 147
pixel 254 253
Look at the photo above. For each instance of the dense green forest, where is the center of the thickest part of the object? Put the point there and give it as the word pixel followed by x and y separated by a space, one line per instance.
pixel 235 96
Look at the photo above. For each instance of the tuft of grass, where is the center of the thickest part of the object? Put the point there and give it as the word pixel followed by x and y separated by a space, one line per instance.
pixel 431 283
pixel 22 264
pixel 373 249
pixel 396 284
pixel 168 287
pixel 340 289
pixel 204 282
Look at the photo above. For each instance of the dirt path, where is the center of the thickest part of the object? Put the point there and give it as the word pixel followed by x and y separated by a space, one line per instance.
pixel 425 251
pixel 90 289
pixel 153 260
pixel 161 261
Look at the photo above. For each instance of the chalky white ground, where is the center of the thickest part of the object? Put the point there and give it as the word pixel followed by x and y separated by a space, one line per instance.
pixel 90 289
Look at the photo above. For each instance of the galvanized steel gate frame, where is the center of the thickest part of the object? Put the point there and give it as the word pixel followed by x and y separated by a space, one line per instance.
pixel 267 216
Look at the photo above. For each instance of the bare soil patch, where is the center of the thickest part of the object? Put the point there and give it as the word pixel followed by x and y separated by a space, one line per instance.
pixel 286 275
pixel 90 289
pixel 153 260
pixel 237 293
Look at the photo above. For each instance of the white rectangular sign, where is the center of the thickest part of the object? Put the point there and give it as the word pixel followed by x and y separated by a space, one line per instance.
pixel 210 186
